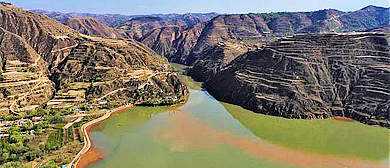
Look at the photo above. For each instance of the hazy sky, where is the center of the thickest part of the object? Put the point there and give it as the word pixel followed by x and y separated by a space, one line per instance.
pixel 201 6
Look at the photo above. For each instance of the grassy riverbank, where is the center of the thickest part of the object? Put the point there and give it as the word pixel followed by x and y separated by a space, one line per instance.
pixel 351 139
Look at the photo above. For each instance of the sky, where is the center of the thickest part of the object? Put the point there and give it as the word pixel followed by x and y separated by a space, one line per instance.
pixel 131 7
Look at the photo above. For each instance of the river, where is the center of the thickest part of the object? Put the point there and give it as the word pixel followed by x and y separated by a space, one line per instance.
pixel 207 133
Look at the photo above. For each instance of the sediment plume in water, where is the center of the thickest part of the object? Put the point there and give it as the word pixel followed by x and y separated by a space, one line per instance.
pixel 183 134
pixel 94 155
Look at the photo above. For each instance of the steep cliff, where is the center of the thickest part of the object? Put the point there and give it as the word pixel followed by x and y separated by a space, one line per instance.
pixel 214 58
pixel 226 27
pixel 312 76
pixel 175 43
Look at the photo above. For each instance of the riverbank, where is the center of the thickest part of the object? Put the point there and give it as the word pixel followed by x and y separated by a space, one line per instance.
pixel 88 154
pixel 344 119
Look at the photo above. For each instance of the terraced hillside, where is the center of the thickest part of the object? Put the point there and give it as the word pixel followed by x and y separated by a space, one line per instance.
pixel 26 45
pixel 42 59
pixel 312 76
pixel 54 79
pixel 117 71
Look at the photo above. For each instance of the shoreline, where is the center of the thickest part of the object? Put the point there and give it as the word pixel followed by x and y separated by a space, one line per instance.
pixel 342 119
pixel 88 148
pixel 96 155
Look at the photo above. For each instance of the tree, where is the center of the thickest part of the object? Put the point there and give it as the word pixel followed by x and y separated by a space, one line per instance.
pixel 14 157
pixel 30 155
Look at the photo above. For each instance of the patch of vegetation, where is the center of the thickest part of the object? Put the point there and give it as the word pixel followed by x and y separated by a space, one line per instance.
pixel 17 148
pixel 54 142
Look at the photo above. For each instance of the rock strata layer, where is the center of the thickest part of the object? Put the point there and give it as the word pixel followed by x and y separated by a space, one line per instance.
pixel 312 76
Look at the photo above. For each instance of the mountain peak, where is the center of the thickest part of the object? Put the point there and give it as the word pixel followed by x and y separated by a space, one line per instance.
pixel 373 7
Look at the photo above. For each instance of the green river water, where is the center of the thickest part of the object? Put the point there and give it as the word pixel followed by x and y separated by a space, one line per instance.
pixel 205 133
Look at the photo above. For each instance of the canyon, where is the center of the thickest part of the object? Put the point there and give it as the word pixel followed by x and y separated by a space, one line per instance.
pixel 182 37
pixel 62 70
pixel 322 69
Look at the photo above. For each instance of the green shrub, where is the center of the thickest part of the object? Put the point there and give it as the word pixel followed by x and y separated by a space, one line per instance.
pixel 54 141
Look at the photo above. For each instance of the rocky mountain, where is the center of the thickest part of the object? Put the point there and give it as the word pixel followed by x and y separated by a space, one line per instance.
pixel 312 76
pixel 118 71
pixel 117 20
pixel 182 38
pixel 173 42
pixel 226 27
pixel 214 58
pixel 111 20
pixel 27 42
pixel 91 26
pixel 255 28
pixel 46 63
pixel 265 27
pixel 171 35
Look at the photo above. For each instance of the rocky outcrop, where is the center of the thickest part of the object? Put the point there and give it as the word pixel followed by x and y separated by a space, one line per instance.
pixel 214 58
pixel 225 27
pixel 175 43
pixel 90 26
pixel 312 76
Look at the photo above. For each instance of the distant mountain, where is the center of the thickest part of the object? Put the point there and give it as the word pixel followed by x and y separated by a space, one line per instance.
pixel 182 38
pixel 91 26
pixel 109 19
pixel 117 20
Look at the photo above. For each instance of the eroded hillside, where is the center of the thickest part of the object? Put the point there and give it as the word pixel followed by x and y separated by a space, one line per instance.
pixel 91 26
pixel 27 40
pixel 45 62
pixel 182 38
pixel 312 76
pixel 116 71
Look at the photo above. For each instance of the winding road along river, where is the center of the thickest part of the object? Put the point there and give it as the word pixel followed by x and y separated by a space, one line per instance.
pixel 205 133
